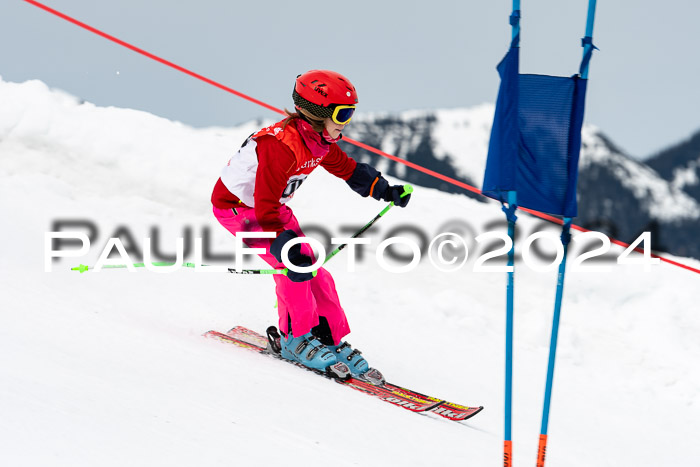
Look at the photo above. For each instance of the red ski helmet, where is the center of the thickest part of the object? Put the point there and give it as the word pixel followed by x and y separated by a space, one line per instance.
pixel 321 91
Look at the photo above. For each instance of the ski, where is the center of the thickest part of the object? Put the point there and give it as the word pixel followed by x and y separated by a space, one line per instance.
pixel 397 395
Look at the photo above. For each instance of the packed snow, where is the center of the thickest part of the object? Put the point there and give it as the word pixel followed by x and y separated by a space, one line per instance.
pixel 110 368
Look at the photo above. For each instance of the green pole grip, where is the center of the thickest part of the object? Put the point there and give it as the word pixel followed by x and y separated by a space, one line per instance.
pixel 285 271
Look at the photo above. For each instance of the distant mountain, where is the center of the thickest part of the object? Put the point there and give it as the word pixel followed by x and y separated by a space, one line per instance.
pixel 451 142
pixel 617 194
pixel 680 165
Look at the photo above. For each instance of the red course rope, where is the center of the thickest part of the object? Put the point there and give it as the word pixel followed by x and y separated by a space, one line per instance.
pixel 349 140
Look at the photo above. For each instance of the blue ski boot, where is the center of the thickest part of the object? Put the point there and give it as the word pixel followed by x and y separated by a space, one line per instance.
pixel 359 367
pixel 307 350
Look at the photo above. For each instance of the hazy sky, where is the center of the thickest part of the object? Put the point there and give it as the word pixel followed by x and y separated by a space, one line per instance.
pixel 400 55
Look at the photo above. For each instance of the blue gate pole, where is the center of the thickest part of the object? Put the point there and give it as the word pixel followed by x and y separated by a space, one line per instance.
pixel 565 238
pixel 508 441
pixel 588 39
pixel 510 214
pixel 515 24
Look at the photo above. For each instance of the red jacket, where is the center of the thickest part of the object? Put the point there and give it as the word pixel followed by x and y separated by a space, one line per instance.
pixel 268 169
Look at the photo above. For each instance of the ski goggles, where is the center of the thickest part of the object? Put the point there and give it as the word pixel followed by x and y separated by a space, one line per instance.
pixel 342 114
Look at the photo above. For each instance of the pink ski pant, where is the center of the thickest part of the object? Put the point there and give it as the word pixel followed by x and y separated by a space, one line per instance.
pixel 302 303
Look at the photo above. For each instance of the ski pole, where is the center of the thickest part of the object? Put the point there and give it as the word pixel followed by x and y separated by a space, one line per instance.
pixel 82 268
pixel 407 190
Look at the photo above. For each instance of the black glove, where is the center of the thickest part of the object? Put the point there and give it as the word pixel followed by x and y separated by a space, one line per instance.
pixel 393 193
pixel 295 256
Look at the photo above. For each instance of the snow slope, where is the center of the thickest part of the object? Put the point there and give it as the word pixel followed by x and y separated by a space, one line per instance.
pixel 110 368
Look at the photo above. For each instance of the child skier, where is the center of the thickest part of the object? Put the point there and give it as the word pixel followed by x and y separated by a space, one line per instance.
pixel 252 194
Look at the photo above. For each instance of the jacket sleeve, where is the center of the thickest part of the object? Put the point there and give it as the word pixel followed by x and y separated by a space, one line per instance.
pixel 276 163
pixel 368 181
pixel 338 163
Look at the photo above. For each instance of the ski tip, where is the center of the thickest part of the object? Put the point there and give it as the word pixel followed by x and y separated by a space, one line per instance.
pixel 473 411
